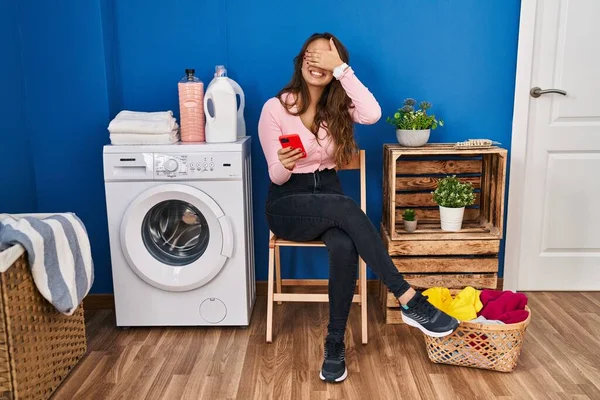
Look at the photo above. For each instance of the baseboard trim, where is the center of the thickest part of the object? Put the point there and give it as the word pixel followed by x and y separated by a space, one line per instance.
pixel 99 302
pixel 107 301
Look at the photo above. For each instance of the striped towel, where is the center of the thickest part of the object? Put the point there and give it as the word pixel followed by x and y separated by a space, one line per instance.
pixel 59 255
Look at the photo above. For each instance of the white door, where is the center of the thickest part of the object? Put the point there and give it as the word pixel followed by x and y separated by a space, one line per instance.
pixel 175 237
pixel 553 238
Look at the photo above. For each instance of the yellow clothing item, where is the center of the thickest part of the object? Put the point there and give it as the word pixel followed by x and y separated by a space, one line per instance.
pixel 463 307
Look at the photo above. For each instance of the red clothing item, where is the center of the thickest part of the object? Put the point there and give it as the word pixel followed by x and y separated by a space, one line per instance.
pixel 508 307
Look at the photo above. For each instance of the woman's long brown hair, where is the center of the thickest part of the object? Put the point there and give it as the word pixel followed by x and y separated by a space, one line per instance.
pixel 333 106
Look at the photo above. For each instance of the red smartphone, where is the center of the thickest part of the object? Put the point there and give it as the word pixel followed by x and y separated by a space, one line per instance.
pixel 292 140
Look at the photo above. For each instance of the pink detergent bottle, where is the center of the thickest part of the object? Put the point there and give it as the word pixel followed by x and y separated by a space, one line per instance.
pixel 191 107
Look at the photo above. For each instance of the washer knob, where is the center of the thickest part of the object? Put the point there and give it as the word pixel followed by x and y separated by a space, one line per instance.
pixel 171 165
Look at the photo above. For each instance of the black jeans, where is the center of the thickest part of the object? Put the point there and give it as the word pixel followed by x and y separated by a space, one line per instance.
pixel 313 206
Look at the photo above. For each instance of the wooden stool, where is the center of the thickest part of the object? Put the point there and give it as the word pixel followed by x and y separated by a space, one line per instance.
pixel 274 279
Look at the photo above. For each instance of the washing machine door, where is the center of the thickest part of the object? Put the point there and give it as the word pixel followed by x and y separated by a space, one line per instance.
pixel 176 237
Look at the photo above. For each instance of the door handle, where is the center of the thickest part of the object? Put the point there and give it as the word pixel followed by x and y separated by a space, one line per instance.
pixel 227 247
pixel 536 92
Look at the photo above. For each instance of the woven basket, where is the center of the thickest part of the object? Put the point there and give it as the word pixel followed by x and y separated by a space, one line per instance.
pixel 495 347
pixel 38 345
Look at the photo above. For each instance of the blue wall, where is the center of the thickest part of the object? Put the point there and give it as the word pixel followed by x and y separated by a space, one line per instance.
pixel 95 59
pixel 62 43
pixel 18 192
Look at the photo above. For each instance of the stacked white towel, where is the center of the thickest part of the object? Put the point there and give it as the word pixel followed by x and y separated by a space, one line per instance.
pixel 133 127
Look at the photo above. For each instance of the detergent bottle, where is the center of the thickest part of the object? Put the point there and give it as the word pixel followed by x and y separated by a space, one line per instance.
pixel 191 107
pixel 241 123
pixel 220 108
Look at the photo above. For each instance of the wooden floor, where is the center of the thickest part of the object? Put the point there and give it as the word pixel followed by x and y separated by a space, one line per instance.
pixel 560 359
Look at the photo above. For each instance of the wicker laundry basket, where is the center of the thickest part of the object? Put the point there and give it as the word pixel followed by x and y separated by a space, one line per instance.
pixel 495 347
pixel 38 345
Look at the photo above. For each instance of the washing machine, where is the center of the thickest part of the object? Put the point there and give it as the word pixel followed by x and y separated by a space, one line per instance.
pixel 181 233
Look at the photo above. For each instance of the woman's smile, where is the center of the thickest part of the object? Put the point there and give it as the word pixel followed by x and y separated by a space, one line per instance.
pixel 315 73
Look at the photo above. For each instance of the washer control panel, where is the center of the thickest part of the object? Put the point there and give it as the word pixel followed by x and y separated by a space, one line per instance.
pixel 193 166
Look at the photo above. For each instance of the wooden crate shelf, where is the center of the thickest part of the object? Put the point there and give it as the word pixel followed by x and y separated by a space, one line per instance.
pixel 429 256
pixel 411 174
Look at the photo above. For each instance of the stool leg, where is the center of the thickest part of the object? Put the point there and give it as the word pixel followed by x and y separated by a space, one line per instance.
pixel 359 286
pixel 278 271
pixel 363 299
pixel 270 282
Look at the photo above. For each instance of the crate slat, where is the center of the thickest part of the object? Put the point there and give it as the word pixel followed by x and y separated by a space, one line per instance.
pixel 433 214
pixel 469 233
pixel 440 149
pixel 443 247
pixel 445 167
pixel 486 179
pixel 389 188
pixel 493 188
pixel 420 183
pixel 452 281
pixel 498 220
pixel 435 226
pixel 428 265
pixel 421 200
pixel 393 316
pixel 457 282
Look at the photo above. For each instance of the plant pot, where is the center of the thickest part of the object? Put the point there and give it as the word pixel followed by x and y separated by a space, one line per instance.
pixel 410 226
pixel 412 138
pixel 451 218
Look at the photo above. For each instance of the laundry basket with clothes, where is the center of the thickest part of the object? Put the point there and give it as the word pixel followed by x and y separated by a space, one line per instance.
pixel 491 332
pixel 46 270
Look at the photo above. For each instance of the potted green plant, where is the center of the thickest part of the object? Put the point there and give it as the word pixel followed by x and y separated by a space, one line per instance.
pixel 452 196
pixel 413 126
pixel 410 220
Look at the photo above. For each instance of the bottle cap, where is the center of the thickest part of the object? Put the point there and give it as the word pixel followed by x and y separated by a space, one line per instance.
pixel 220 71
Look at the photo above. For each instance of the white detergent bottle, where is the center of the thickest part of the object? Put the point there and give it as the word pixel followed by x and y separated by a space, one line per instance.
pixel 220 108
pixel 241 123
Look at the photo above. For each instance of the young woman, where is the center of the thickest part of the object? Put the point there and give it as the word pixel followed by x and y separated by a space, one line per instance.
pixel 306 202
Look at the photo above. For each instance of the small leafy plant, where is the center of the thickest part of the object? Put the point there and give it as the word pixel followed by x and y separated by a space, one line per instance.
pixel 409 118
pixel 453 193
pixel 409 214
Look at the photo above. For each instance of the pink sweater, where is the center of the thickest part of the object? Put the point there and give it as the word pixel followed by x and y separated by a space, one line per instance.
pixel 275 120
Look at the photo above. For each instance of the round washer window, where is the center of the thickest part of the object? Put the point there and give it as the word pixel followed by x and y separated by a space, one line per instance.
pixel 175 232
